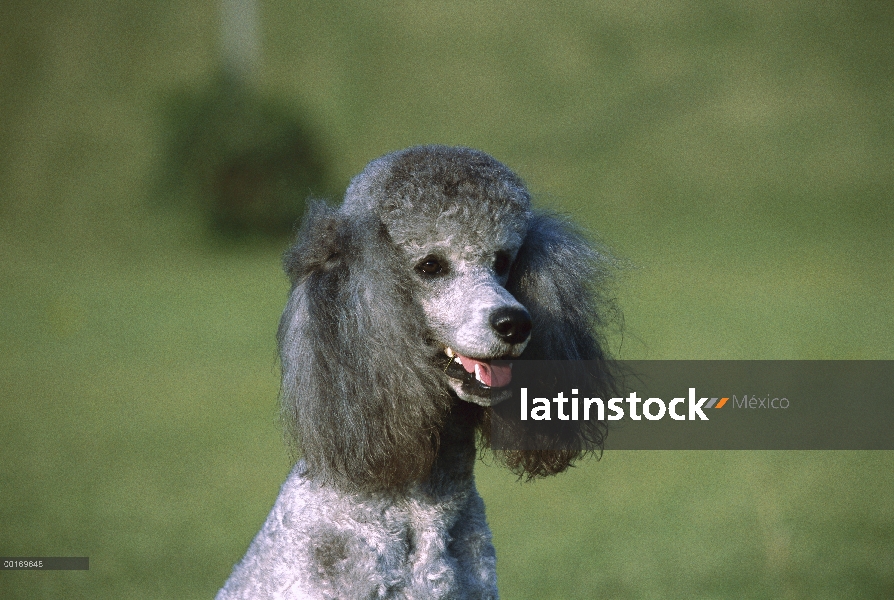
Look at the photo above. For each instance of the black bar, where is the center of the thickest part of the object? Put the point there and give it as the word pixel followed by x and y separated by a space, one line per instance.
pixel 770 405
pixel 44 563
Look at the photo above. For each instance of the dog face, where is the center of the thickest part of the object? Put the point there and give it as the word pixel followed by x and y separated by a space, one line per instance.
pixel 457 220
pixel 473 319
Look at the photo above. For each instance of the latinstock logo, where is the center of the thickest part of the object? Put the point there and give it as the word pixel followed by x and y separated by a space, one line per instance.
pixel 664 405
pixel 574 407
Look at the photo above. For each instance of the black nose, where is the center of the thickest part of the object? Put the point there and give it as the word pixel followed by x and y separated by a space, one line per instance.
pixel 513 325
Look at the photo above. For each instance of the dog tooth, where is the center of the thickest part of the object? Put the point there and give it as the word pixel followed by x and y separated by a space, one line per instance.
pixel 457 360
pixel 478 373
pixel 449 351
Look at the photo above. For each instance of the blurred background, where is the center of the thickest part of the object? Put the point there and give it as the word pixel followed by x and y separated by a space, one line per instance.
pixel 738 156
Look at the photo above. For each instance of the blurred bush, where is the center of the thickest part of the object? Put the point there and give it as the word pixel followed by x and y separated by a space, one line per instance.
pixel 245 160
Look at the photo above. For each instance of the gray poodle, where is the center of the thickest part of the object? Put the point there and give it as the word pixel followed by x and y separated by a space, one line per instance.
pixel 406 302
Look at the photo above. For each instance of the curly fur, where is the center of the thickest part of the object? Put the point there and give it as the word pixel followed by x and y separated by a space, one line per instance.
pixel 383 502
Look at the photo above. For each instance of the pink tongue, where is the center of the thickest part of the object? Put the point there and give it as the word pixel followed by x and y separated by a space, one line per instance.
pixel 491 375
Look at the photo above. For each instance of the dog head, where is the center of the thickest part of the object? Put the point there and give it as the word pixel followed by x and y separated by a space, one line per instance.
pixel 418 292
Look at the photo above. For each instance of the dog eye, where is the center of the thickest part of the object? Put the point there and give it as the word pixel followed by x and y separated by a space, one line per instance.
pixel 431 266
pixel 502 264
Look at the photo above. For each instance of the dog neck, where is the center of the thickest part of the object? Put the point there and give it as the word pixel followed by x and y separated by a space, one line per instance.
pixel 451 473
pixel 454 466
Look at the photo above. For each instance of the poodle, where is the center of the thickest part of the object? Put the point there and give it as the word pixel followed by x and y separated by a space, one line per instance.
pixel 406 304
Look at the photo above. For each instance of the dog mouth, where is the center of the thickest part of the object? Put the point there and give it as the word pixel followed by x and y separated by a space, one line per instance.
pixel 476 373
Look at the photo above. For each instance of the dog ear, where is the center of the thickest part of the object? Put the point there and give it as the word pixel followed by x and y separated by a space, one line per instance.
pixel 319 245
pixel 360 400
pixel 561 279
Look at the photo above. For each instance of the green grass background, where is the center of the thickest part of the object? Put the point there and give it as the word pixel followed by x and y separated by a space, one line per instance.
pixel 738 155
